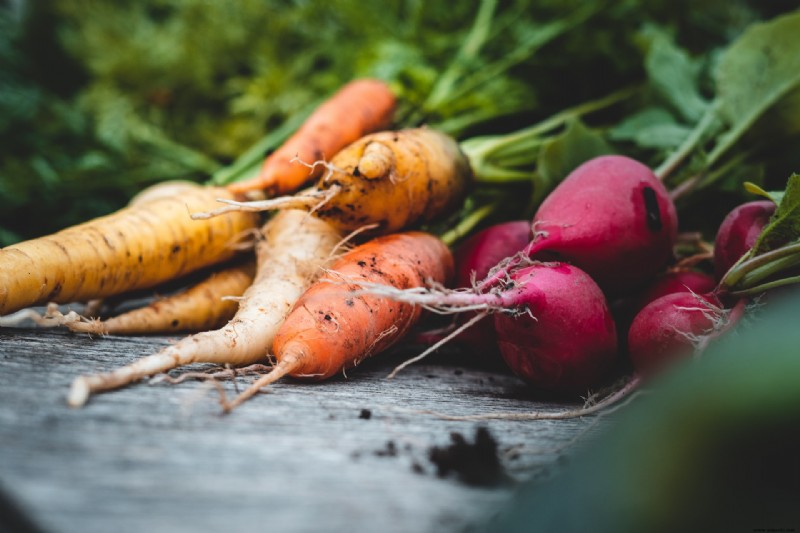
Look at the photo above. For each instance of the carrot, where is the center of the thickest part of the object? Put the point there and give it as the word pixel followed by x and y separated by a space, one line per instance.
pixel 162 189
pixel 201 307
pixel 330 329
pixel 137 247
pixel 360 107
pixel 294 248
pixel 394 179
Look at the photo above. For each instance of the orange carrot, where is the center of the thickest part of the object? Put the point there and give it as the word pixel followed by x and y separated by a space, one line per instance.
pixel 330 328
pixel 393 179
pixel 138 247
pixel 201 307
pixel 360 107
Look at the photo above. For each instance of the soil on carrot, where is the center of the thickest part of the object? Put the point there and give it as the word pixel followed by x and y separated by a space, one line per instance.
pixel 473 463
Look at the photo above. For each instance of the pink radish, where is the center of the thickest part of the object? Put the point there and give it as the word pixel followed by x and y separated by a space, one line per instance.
pixel 612 218
pixel 571 342
pixel 485 249
pixel 553 324
pixel 474 259
pixel 670 328
pixel 739 232
pixel 675 281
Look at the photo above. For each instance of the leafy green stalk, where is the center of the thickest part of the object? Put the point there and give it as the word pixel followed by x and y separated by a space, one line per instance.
pixel 468 222
pixel 250 161
pixel 499 158
pixel 707 124
pixel 775 253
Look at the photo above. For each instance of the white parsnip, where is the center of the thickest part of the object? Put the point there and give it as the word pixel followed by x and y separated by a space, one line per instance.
pixel 291 255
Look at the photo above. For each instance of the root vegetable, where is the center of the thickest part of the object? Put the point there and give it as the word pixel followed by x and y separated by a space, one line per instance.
pixel 486 249
pixel 394 179
pixel 571 342
pixel 330 329
pixel 552 321
pixel 675 281
pixel 291 255
pixel 738 233
pixel 612 218
pixel 137 247
pixel 671 327
pixel 474 259
pixel 201 307
pixel 360 107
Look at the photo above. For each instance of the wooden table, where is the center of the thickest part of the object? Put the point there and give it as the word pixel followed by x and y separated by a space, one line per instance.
pixel 350 454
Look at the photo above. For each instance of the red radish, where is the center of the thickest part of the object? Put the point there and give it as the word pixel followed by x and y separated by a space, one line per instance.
pixel 572 341
pixel 675 281
pixel 552 321
pixel 670 328
pixel 485 249
pixel 739 232
pixel 612 218
pixel 474 259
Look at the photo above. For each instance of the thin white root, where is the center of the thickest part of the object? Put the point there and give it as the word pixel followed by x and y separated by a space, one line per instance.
pixel 469 323
pixel 92 327
pixel 227 373
pixel 79 392
pixel 52 318
pixel 349 237
pixel 632 385
pixel 522 449
pixel 284 367
pixel 435 299
pixel 307 201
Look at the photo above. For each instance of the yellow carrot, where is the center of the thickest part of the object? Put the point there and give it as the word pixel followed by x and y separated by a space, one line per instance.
pixel 137 247
pixel 200 307
pixel 289 258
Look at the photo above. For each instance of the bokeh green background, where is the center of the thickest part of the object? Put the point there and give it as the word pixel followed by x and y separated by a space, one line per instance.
pixel 100 98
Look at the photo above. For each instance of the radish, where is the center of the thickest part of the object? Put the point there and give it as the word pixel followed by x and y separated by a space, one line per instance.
pixel 675 281
pixel 552 321
pixel 612 218
pixel 739 232
pixel 571 341
pixel 485 249
pixel 474 259
pixel 671 328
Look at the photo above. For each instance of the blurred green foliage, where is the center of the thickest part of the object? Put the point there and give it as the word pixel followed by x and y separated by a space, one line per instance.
pixel 102 98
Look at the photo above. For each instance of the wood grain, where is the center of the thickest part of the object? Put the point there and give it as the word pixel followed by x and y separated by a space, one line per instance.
pixel 161 457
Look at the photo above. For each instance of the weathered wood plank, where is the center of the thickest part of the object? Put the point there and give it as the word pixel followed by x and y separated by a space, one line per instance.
pixel 300 458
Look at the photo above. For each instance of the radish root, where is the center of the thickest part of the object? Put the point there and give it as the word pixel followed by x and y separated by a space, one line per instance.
pixel 630 386
pixel 466 325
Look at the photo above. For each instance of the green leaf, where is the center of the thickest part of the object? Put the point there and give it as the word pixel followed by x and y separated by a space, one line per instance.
pixel 755 73
pixel 654 127
pixel 674 75
pixel 775 196
pixel 563 154
pixel 785 224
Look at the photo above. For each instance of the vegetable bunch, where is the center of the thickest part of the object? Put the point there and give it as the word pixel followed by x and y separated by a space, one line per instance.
pixel 605 193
